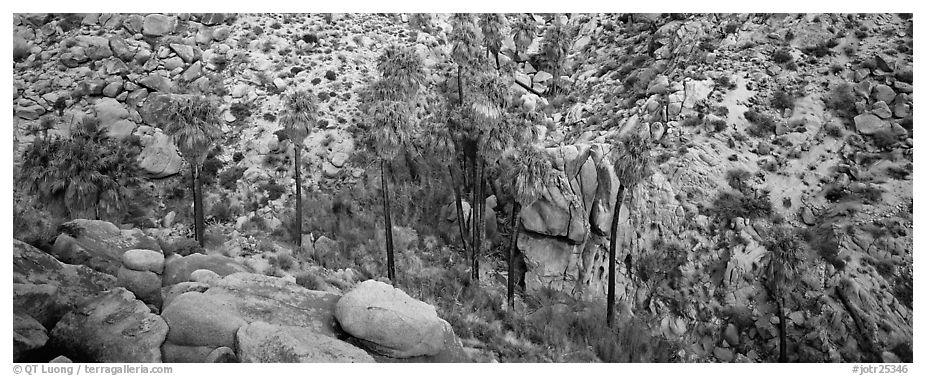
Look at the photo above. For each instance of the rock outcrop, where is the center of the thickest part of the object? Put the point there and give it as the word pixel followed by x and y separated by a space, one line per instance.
pixel 112 328
pixel 98 244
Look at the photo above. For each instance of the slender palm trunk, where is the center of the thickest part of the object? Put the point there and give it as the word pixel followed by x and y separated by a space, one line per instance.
pixel 782 332
pixel 477 244
pixel 199 225
pixel 480 235
pixel 612 253
pixel 459 205
pixel 298 163
pixel 390 262
pixel 512 245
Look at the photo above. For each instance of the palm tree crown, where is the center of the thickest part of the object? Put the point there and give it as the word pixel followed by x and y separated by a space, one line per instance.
pixel 299 115
pixel 633 159
pixel 192 121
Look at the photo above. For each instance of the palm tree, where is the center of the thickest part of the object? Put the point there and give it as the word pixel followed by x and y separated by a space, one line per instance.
pixel 527 175
pixel 491 25
pixel 192 121
pixel 440 144
pixel 85 175
pixel 298 119
pixel 523 31
pixel 392 114
pixel 556 43
pixel 631 166
pixel 785 253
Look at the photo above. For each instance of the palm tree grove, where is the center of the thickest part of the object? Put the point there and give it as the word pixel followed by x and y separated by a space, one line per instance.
pixel 469 187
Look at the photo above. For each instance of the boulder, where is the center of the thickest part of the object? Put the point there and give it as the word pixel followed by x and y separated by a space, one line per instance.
pixel 256 297
pixel 28 335
pixel 144 284
pixel 222 355
pixel 260 342
pixel 157 25
pixel 45 288
pixel 212 19
pixel 178 270
pixel 112 328
pixel 113 117
pixel 186 52
pixel 170 292
pixel 187 354
pixel 98 244
pixel 389 321
pixel 159 157
pixel 30 111
pixel 884 93
pixel 869 124
pixel 143 260
pixel 156 83
pixel 199 320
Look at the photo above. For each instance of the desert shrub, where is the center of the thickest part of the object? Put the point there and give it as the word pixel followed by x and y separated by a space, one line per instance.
pixel 273 189
pixel 884 139
pixel 283 261
pixel 841 101
pixel 729 205
pixel 330 75
pixel 726 82
pixel 180 246
pixel 692 121
pixel 309 281
pixel 731 28
pixel 833 130
pixel 782 100
pixel 762 125
pixel 782 56
pixel 737 179
pixel 241 110
pixel 229 178
pixel 237 157
pixel 717 125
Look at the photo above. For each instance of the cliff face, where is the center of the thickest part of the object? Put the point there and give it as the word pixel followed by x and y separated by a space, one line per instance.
pixel 694 94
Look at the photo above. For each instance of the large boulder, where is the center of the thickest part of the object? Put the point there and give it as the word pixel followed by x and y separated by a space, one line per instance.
pixel 199 320
pixel 144 284
pixel 112 328
pixel 28 335
pixel 98 244
pixel 157 25
pixel 45 288
pixel 179 269
pixel 144 260
pixel 256 297
pixel 260 342
pixel 389 321
pixel 113 117
pixel 869 124
pixel 159 157
pixel 158 83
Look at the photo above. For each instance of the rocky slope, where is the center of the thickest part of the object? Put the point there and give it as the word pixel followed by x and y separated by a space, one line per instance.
pixel 714 93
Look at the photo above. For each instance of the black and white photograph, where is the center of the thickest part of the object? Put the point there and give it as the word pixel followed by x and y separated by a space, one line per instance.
pixel 475 187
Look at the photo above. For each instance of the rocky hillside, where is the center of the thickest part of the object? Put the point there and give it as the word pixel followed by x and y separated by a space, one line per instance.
pixel 769 133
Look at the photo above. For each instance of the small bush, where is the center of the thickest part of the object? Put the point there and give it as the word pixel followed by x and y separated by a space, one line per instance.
pixel 182 247
pixel 762 125
pixel 884 139
pixel 330 75
pixel 782 56
pixel 782 100
pixel 229 178
pixel 729 205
